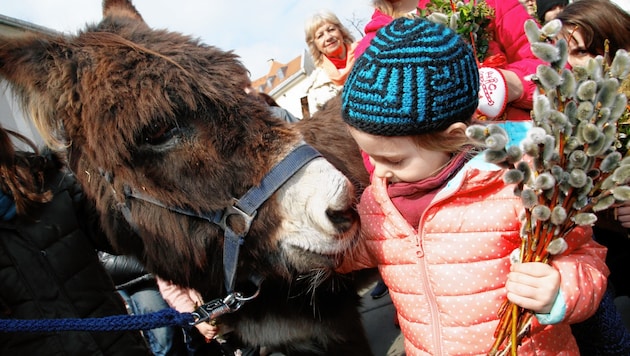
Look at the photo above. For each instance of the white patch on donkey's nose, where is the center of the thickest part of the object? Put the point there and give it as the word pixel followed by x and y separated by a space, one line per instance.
pixel 317 206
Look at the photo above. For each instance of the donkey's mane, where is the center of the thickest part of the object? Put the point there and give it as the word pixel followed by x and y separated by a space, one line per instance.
pixel 108 39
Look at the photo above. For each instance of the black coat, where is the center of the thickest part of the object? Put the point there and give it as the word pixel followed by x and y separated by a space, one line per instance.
pixel 49 269
pixel 127 272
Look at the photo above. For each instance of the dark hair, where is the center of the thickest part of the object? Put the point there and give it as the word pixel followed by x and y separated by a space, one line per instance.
pixel 544 6
pixel 21 173
pixel 597 21
pixel 268 99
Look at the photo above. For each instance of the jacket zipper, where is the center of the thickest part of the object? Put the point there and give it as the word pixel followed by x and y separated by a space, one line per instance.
pixel 435 318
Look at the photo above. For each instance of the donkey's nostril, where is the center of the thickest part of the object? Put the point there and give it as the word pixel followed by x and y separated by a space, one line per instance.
pixel 343 220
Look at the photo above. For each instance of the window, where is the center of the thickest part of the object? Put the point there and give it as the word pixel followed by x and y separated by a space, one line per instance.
pixel 281 72
pixel 270 80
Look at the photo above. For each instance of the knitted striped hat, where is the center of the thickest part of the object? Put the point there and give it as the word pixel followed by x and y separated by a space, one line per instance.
pixel 416 76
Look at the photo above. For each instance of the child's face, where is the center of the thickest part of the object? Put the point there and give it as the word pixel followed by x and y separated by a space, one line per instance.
pixel 398 158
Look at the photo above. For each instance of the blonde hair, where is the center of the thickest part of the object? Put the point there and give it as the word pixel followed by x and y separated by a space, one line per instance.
pixel 318 20
pixel 387 7
pixel 453 141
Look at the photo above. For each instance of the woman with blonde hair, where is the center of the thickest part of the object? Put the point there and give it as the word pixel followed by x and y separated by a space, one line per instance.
pixel 332 47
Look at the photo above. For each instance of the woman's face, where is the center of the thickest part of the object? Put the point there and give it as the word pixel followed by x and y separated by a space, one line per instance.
pixel 399 158
pixel 329 40
pixel 578 53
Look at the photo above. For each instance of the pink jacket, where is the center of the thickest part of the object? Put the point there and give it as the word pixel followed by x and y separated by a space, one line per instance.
pixel 509 40
pixel 378 20
pixel 182 299
pixel 447 280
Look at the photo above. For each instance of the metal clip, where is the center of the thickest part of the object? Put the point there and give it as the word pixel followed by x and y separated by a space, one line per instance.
pixel 234 210
pixel 215 308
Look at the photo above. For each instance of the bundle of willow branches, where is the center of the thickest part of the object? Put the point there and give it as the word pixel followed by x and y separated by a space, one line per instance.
pixel 568 166
pixel 469 20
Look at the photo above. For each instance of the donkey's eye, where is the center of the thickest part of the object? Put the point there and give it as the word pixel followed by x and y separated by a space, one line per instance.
pixel 160 134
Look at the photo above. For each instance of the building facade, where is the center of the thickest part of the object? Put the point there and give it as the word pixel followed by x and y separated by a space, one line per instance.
pixel 286 83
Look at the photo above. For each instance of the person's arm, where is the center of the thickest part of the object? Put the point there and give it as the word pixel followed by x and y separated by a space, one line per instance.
pixel 511 40
pixel 186 300
pixel 514 85
pixel 360 257
pixel 283 114
pixel 125 270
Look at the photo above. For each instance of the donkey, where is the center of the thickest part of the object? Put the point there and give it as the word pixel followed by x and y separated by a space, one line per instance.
pixel 195 177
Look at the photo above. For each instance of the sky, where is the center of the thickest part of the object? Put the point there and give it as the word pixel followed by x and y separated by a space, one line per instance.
pixel 256 30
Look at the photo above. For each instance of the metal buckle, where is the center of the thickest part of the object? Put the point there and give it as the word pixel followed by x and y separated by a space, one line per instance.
pixel 234 210
pixel 215 308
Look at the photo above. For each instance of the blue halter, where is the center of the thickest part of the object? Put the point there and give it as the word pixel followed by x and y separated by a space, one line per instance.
pixel 246 207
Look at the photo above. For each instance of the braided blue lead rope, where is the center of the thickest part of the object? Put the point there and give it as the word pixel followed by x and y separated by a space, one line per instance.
pixel 165 317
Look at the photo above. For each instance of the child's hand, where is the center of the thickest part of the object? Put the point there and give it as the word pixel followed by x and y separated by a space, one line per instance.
pixel 623 214
pixel 533 286
pixel 207 330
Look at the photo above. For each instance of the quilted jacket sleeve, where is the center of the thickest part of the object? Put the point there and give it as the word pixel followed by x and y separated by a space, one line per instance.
pixel 360 257
pixel 182 299
pixel 584 276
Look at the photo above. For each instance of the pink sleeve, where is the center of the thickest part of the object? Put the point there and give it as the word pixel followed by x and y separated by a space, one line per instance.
pixel 584 282
pixel 584 275
pixel 182 299
pixel 378 20
pixel 364 43
pixel 511 40
pixel 361 256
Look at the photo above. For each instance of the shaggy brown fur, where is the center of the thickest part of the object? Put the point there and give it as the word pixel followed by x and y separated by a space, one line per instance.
pixel 166 115
pixel 326 131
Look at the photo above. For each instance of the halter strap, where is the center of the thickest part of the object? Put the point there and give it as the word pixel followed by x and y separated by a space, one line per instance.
pixel 246 207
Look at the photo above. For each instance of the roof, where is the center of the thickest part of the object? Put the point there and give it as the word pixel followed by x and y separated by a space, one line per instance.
pixel 10 25
pixel 278 73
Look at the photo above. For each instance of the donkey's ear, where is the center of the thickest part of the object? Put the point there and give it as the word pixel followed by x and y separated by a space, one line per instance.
pixel 29 62
pixel 37 67
pixel 120 8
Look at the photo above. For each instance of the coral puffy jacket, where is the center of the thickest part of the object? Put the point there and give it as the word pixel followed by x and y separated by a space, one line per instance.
pixel 447 280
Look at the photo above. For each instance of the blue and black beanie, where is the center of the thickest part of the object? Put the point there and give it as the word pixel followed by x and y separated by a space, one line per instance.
pixel 416 77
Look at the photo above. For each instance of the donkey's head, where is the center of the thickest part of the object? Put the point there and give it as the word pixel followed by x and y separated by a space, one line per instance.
pixel 163 137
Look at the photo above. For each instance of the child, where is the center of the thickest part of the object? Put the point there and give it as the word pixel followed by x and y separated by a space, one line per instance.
pixel 437 220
